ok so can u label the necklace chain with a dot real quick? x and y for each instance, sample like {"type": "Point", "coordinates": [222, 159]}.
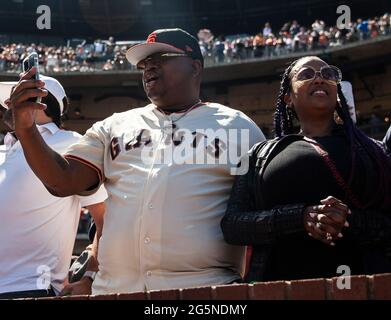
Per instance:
{"type": "Point", "coordinates": [186, 112]}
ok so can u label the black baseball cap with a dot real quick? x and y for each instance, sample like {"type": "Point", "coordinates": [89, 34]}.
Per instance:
{"type": "Point", "coordinates": [167, 41]}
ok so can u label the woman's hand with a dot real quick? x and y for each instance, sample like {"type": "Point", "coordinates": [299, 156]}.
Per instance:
{"type": "Point", "coordinates": [325, 222]}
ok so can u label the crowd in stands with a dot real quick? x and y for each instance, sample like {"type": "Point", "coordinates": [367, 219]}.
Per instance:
{"type": "Point", "coordinates": [292, 37]}
{"type": "Point", "coordinates": [109, 55]}
{"type": "Point", "coordinates": [100, 55]}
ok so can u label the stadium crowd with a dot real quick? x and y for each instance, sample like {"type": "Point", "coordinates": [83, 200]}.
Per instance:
{"type": "Point", "coordinates": [110, 55]}
{"type": "Point", "coordinates": [100, 55]}
{"type": "Point", "coordinates": [292, 37]}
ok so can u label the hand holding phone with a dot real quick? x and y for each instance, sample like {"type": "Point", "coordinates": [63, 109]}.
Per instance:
{"type": "Point", "coordinates": [32, 61]}
{"type": "Point", "coordinates": [23, 99]}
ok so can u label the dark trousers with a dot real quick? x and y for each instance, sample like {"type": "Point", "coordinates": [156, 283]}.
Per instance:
{"type": "Point", "coordinates": [28, 294]}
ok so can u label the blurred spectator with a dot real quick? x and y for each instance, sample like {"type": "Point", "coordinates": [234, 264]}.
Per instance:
{"type": "Point", "coordinates": [99, 48]}
{"type": "Point", "coordinates": [314, 40]}
{"type": "Point", "coordinates": [385, 24]}
{"type": "Point", "coordinates": [332, 36]}
{"type": "Point", "coordinates": [218, 49]}
{"type": "Point", "coordinates": [270, 46]}
{"type": "Point", "coordinates": [239, 52]}
{"type": "Point", "coordinates": [120, 61]}
{"type": "Point", "coordinates": [373, 28]}
{"type": "Point", "coordinates": [110, 45]}
{"type": "Point", "coordinates": [295, 28]}
{"type": "Point", "coordinates": [51, 61]}
{"type": "Point", "coordinates": [228, 50]}
{"type": "Point", "coordinates": [285, 28]}
{"type": "Point", "coordinates": [249, 48]}
{"type": "Point", "coordinates": [85, 67]}
{"type": "Point", "coordinates": [108, 65]}
{"type": "Point", "coordinates": [258, 45]}
{"type": "Point", "coordinates": [362, 27]}
{"type": "Point", "coordinates": [323, 40]}
{"type": "Point", "coordinates": [318, 25]}
{"type": "Point", "coordinates": [267, 30]}
{"type": "Point", "coordinates": [301, 40]}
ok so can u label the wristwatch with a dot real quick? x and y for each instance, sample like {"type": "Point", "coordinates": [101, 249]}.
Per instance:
{"type": "Point", "coordinates": [90, 274]}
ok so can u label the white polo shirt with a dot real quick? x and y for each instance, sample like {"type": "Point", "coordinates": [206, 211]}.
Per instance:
{"type": "Point", "coordinates": [162, 221]}
{"type": "Point", "coordinates": [37, 229]}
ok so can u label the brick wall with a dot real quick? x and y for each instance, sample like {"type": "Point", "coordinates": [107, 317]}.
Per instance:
{"type": "Point", "coordinates": [362, 288]}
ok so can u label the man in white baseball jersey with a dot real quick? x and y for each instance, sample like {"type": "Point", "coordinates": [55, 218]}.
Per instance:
{"type": "Point", "coordinates": [37, 229]}
{"type": "Point", "coordinates": [167, 167]}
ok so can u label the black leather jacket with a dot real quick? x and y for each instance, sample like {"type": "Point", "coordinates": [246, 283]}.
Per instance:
{"type": "Point", "coordinates": [246, 224]}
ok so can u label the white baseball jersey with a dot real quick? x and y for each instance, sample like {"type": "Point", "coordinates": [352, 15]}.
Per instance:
{"type": "Point", "coordinates": [169, 178]}
{"type": "Point", "coordinates": [37, 229]}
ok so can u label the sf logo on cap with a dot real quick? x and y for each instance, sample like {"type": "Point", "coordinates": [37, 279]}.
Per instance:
{"type": "Point", "coordinates": [152, 38]}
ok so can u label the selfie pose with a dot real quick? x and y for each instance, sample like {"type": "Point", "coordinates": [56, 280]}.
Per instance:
{"type": "Point", "coordinates": [161, 227]}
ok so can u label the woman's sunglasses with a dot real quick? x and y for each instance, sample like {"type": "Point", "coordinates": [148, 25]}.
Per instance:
{"type": "Point", "coordinates": [159, 59]}
{"type": "Point", "coordinates": [328, 73]}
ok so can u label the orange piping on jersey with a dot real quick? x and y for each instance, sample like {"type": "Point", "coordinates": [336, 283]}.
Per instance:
{"type": "Point", "coordinates": [87, 163]}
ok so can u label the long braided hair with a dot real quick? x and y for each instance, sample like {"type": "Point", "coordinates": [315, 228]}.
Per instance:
{"type": "Point", "coordinates": [283, 117]}
{"type": "Point", "coordinates": [283, 125]}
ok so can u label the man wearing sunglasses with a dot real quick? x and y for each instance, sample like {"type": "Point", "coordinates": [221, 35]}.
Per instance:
{"type": "Point", "coordinates": [162, 222]}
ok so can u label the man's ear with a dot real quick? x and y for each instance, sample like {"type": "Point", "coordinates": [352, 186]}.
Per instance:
{"type": "Point", "coordinates": [197, 68]}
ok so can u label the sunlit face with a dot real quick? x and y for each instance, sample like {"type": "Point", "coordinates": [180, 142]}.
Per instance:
{"type": "Point", "coordinates": [313, 90]}
{"type": "Point", "coordinates": [166, 77]}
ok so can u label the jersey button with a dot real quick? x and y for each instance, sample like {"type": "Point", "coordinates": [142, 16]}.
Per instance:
{"type": "Point", "coordinates": [147, 240]}
{"type": "Point", "coordinates": [149, 273]}
{"type": "Point", "coordinates": [150, 206]}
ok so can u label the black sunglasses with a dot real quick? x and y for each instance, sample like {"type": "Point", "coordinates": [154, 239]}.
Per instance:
{"type": "Point", "coordinates": [159, 59]}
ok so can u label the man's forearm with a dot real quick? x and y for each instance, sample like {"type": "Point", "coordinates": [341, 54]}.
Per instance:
{"type": "Point", "coordinates": [49, 166]}
{"type": "Point", "coordinates": [97, 212]}
{"type": "Point", "coordinates": [93, 264]}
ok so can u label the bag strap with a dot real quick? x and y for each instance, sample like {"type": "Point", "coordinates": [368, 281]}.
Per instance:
{"type": "Point", "coordinates": [336, 174]}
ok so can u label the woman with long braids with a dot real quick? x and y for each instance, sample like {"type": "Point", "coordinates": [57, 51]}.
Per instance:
{"type": "Point", "coordinates": [317, 199]}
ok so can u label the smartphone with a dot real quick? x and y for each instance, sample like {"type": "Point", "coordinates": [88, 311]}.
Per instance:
{"type": "Point", "coordinates": [32, 61]}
